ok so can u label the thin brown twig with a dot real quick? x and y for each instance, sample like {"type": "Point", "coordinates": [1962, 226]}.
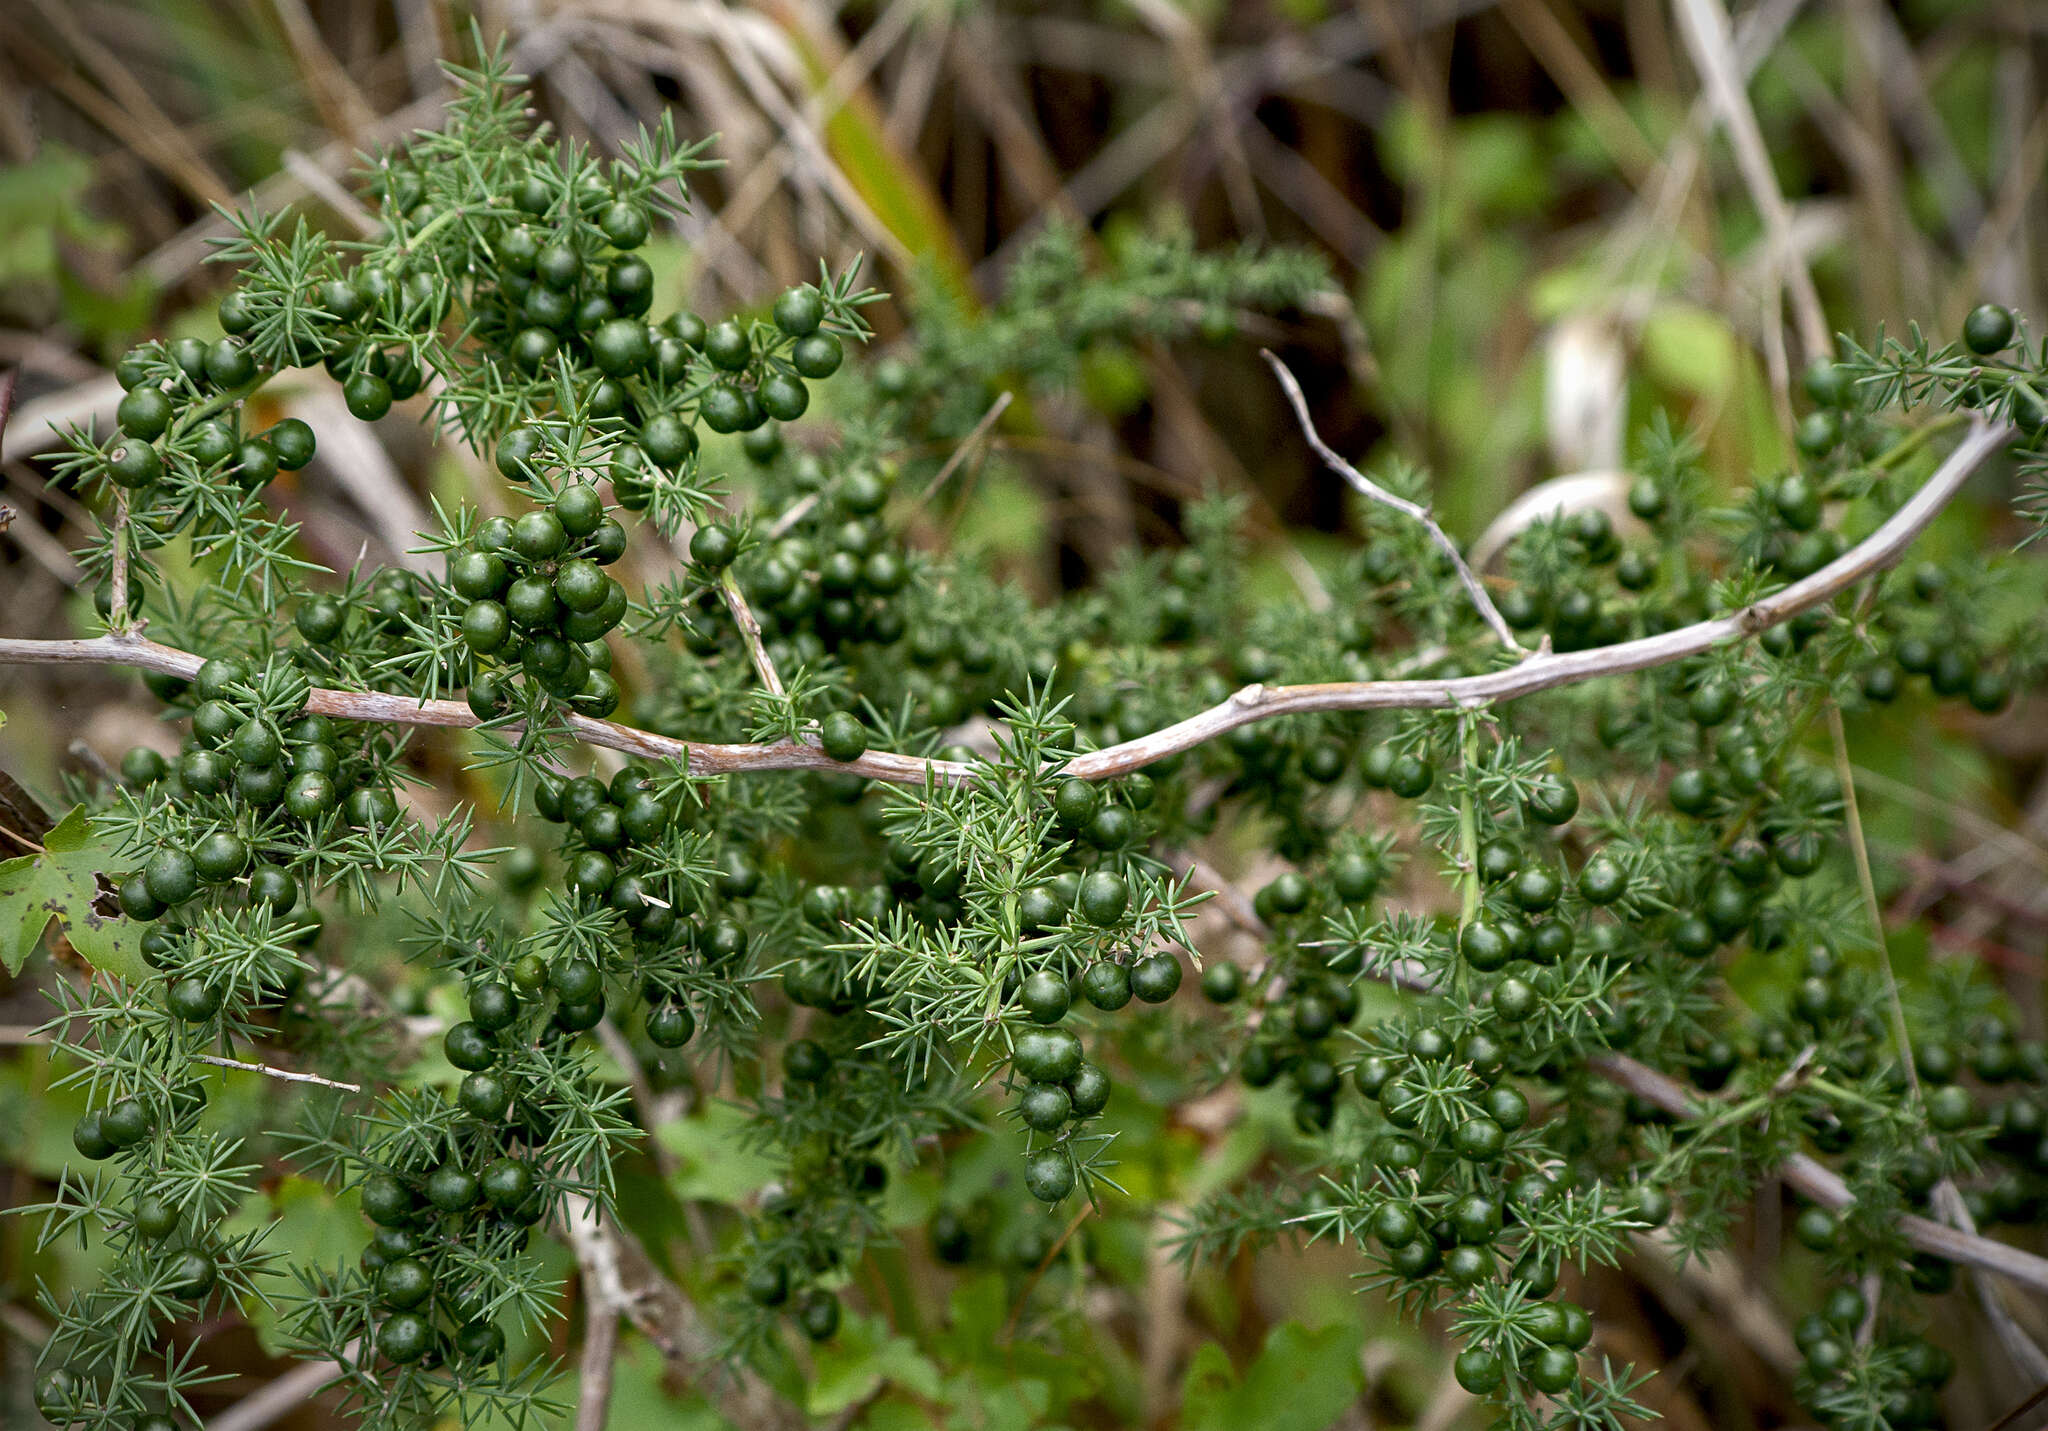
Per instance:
{"type": "Point", "coordinates": [1031, 1282]}
{"type": "Point", "coordinates": [117, 576]}
{"type": "Point", "coordinates": [1414, 511]}
{"type": "Point", "coordinates": [750, 630]}
{"type": "Point", "coordinates": [282, 1397]}
{"type": "Point", "coordinates": [796, 513]}
{"type": "Point", "coordinates": [282, 1074]}
{"type": "Point", "coordinates": [1821, 1184]}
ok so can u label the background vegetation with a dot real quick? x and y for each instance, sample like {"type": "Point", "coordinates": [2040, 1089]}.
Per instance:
{"type": "Point", "coordinates": [1532, 236]}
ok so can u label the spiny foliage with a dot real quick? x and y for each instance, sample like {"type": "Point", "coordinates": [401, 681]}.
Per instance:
{"type": "Point", "coordinates": [864, 960]}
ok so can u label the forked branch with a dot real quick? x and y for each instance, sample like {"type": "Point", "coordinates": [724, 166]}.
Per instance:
{"type": "Point", "coordinates": [1414, 511]}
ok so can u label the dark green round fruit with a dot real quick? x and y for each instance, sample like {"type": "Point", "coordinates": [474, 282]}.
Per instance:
{"type": "Point", "coordinates": [1222, 982]}
{"type": "Point", "coordinates": [155, 1219]}
{"type": "Point", "coordinates": [843, 736]}
{"type": "Point", "coordinates": [783, 398]}
{"type": "Point", "coordinates": [273, 885]}
{"type": "Point", "coordinates": [469, 1047]}
{"type": "Point", "coordinates": [480, 1342]}
{"type": "Point", "coordinates": [713, 547]}
{"type": "Point", "coordinates": [484, 1097]}
{"type": "Point", "coordinates": [767, 1284]}
{"type": "Point", "coordinates": [1156, 977]}
{"type": "Point", "coordinates": [1478, 1370]}
{"type": "Point", "coordinates": [727, 347]}
{"type": "Point", "coordinates": [144, 413]}
{"type": "Point", "coordinates": [1411, 776]}
{"type": "Point", "coordinates": [817, 1313]}
{"type": "Point", "coordinates": [1044, 997]}
{"type": "Point", "coordinates": [622, 347]}
{"type": "Point", "coordinates": [539, 536]}
{"type": "Point", "coordinates": [310, 795]}
{"type": "Point", "coordinates": [89, 1137]}
{"type": "Point", "coordinates": [1106, 985]}
{"type": "Point", "coordinates": [1045, 1107]}
{"type": "Point", "coordinates": [1049, 1175]}
{"type": "Point", "coordinates": [1479, 1140]}
{"type": "Point", "coordinates": [816, 355]}
{"type": "Point", "coordinates": [507, 1182]}
{"type": "Point", "coordinates": [1104, 897]}
{"type": "Point", "coordinates": [1988, 329]}
{"type": "Point", "coordinates": [1553, 1370]}
{"type": "Point", "coordinates": [405, 1283]}
{"type": "Point", "coordinates": [1076, 801]}
{"type": "Point", "coordinates": [799, 311]}
{"type": "Point", "coordinates": [670, 1025]}
{"type": "Point", "coordinates": [171, 877]}
{"type": "Point", "coordinates": [576, 980]}
{"type": "Point", "coordinates": [624, 224]}
{"type": "Point", "coordinates": [134, 464]}
{"type": "Point", "coordinates": [492, 1005]}
{"type": "Point", "coordinates": [667, 440]}
{"type": "Point", "coordinates": [192, 1276]}
{"type": "Point", "coordinates": [1602, 880]}
{"type": "Point", "coordinates": [229, 363]}
{"type": "Point", "coordinates": [143, 766]}
{"type": "Point", "coordinates": [405, 1337]}
{"type": "Point", "coordinates": [1047, 1055]}
{"type": "Point", "coordinates": [367, 396]}
{"type": "Point", "coordinates": [192, 999]}
{"type": "Point", "coordinates": [320, 619]}
{"type": "Point", "coordinates": [1553, 800]}
{"type": "Point", "coordinates": [1089, 1091]}
{"type": "Point", "coordinates": [486, 626]}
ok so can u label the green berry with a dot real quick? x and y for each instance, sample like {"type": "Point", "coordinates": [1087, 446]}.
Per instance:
{"type": "Point", "coordinates": [1988, 329]}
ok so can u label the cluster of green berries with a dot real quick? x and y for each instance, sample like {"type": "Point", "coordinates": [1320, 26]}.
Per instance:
{"type": "Point", "coordinates": [180, 405]}
{"type": "Point", "coordinates": [1913, 1368]}
{"type": "Point", "coordinates": [540, 602]}
{"type": "Point", "coordinates": [609, 828]}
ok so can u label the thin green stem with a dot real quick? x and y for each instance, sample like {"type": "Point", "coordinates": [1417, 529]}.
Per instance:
{"type": "Point", "coordinates": [1918, 438]}
{"type": "Point", "coordinates": [1853, 817]}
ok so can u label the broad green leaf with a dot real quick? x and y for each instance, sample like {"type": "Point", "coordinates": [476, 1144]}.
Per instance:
{"type": "Point", "coordinates": [641, 1396]}
{"type": "Point", "coordinates": [862, 1358]}
{"type": "Point", "coordinates": [717, 1165]}
{"type": "Point", "coordinates": [1302, 1380]}
{"type": "Point", "coordinates": [62, 883]}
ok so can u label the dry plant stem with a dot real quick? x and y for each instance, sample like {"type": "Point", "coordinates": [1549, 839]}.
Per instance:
{"type": "Point", "coordinates": [617, 1275]}
{"type": "Point", "coordinates": [286, 1396]}
{"type": "Point", "coordinates": [1372, 490]}
{"type": "Point", "coordinates": [284, 1075]}
{"type": "Point", "coordinates": [1821, 1184]}
{"type": "Point", "coordinates": [750, 630]}
{"type": "Point", "coordinates": [117, 578]}
{"type": "Point", "coordinates": [1543, 671]}
{"type": "Point", "coordinates": [594, 1368]}
{"type": "Point", "coordinates": [1704, 23]}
